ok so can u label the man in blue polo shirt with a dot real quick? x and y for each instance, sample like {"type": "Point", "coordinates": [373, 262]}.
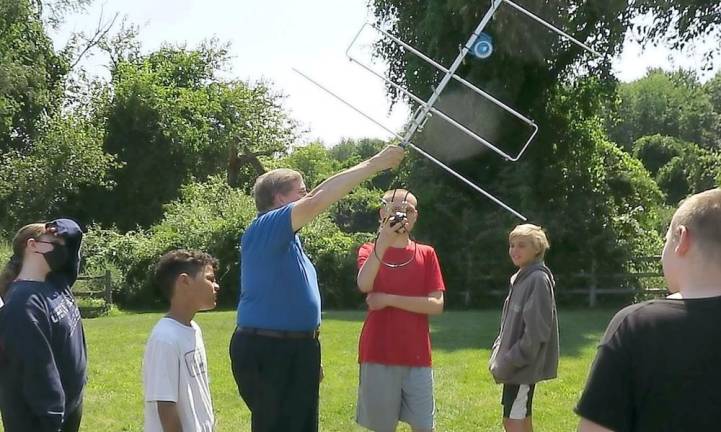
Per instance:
{"type": "Point", "coordinates": [275, 353]}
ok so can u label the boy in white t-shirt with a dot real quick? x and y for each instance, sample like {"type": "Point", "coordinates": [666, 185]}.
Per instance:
{"type": "Point", "coordinates": [175, 372]}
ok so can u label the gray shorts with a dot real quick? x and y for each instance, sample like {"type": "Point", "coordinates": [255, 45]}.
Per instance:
{"type": "Point", "coordinates": [387, 394]}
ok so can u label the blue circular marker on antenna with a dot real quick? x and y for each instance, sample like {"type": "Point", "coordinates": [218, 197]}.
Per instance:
{"type": "Point", "coordinates": [483, 46]}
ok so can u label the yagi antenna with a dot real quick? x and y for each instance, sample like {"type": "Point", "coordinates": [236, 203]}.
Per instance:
{"type": "Point", "coordinates": [414, 147]}
{"type": "Point", "coordinates": [480, 45]}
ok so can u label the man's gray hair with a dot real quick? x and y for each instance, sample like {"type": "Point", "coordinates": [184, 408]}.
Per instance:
{"type": "Point", "coordinates": [268, 185]}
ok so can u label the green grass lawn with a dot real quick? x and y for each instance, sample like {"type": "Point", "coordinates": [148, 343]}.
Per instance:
{"type": "Point", "coordinates": [466, 397]}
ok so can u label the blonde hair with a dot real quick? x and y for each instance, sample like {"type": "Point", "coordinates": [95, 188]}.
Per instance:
{"type": "Point", "coordinates": [268, 185]}
{"type": "Point", "coordinates": [701, 215]}
{"type": "Point", "coordinates": [14, 265]}
{"type": "Point", "coordinates": [535, 234]}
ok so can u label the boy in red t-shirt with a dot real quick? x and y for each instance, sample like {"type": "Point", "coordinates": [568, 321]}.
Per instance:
{"type": "Point", "coordinates": [404, 285]}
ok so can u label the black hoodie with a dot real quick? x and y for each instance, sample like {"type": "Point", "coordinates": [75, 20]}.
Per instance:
{"type": "Point", "coordinates": [42, 346]}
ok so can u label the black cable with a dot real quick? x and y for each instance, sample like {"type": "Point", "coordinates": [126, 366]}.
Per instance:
{"type": "Point", "coordinates": [413, 256]}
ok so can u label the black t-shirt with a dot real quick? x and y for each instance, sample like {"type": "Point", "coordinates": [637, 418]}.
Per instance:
{"type": "Point", "coordinates": [658, 368]}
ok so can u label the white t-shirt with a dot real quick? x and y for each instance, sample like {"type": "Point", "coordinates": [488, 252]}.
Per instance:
{"type": "Point", "coordinates": [175, 370]}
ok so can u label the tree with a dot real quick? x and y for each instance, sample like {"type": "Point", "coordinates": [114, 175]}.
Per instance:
{"type": "Point", "coordinates": [313, 161]}
{"type": "Point", "coordinates": [54, 11]}
{"type": "Point", "coordinates": [655, 151]}
{"type": "Point", "coordinates": [352, 151]}
{"type": "Point", "coordinates": [172, 119]}
{"type": "Point", "coordinates": [529, 56]}
{"type": "Point", "coordinates": [668, 103]}
{"type": "Point", "coordinates": [31, 74]}
{"type": "Point", "coordinates": [358, 211]}
{"type": "Point", "coordinates": [49, 151]}
{"type": "Point", "coordinates": [208, 216]}
{"type": "Point", "coordinates": [66, 156]}
{"type": "Point", "coordinates": [597, 202]}
{"type": "Point", "coordinates": [713, 89]}
{"type": "Point", "coordinates": [212, 216]}
{"type": "Point", "coordinates": [259, 127]}
{"type": "Point", "coordinates": [680, 168]}
{"type": "Point", "coordinates": [679, 22]}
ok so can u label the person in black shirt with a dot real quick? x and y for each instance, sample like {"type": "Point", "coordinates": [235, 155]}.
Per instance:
{"type": "Point", "coordinates": [42, 345]}
{"type": "Point", "coordinates": [658, 367]}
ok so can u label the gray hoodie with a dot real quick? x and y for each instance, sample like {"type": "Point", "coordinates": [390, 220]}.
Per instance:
{"type": "Point", "coordinates": [526, 350]}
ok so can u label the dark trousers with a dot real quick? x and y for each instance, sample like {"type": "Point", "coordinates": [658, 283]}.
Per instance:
{"type": "Point", "coordinates": [12, 422]}
{"type": "Point", "coordinates": [278, 379]}
{"type": "Point", "coordinates": [72, 420]}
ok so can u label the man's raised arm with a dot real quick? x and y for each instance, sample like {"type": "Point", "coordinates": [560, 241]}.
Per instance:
{"type": "Point", "coordinates": [339, 185]}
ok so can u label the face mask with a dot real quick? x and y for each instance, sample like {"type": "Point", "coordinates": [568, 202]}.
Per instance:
{"type": "Point", "coordinates": [56, 258]}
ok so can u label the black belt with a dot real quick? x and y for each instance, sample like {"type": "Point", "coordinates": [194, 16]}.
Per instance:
{"type": "Point", "coordinates": [279, 334]}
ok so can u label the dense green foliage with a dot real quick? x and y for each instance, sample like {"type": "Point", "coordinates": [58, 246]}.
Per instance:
{"type": "Point", "coordinates": [212, 216]}
{"type": "Point", "coordinates": [31, 74]}
{"type": "Point", "coordinates": [171, 117]}
{"type": "Point", "coordinates": [164, 154]}
{"type": "Point", "coordinates": [66, 156]}
{"type": "Point", "coordinates": [680, 168]}
{"type": "Point", "coordinates": [670, 104]}
{"type": "Point", "coordinates": [597, 201]}
{"type": "Point", "coordinates": [197, 220]}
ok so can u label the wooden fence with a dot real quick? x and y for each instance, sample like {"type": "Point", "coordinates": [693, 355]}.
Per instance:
{"type": "Point", "coordinates": [105, 293]}
{"type": "Point", "coordinates": [645, 281]}
{"type": "Point", "coordinates": [634, 282]}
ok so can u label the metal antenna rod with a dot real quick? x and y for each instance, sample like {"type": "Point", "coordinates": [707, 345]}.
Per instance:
{"type": "Point", "coordinates": [423, 113]}
{"type": "Point", "coordinates": [426, 108]}
{"type": "Point", "coordinates": [451, 71]}
{"type": "Point", "coordinates": [414, 147]}
{"type": "Point", "coordinates": [552, 28]}
{"type": "Point", "coordinates": [466, 181]}
{"type": "Point", "coordinates": [444, 116]}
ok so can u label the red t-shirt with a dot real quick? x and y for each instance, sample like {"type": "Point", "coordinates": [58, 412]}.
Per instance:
{"type": "Point", "coordinates": [394, 336]}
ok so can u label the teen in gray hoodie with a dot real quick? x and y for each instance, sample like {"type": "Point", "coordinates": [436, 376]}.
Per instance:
{"type": "Point", "coordinates": [526, 350]}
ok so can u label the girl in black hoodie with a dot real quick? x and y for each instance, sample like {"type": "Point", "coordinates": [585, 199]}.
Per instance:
{"type": "Point", "coordinates": [42, 344]}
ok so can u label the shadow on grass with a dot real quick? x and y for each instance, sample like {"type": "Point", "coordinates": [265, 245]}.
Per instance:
{"type": "Point", "coordinates": [462, 330]}
{"type": "Point", "coordinates": [115, 311]}
{"type": "Point", "coordinates": [478, 329]}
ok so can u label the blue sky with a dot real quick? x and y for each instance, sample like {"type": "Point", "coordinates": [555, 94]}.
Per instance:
{"type": "Point", "coordinates": [268, 37]}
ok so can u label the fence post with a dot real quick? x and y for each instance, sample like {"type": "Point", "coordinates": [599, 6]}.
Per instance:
{"type": "Point", "coordinates": [108, 282]}
{"type": "Point", "coordinates": [593, 287]}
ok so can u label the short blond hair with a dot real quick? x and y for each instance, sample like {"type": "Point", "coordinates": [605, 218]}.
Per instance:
{"type": "Point", "coordinates": [535, 234]}
{"type": "Point", "coordinates": [701, 215]}
{"type": "Point", "coordinates": [268, 185]}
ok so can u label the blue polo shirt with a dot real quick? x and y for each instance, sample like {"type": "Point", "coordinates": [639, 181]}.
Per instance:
{"type": "Point", "coordinates": [278, 283]}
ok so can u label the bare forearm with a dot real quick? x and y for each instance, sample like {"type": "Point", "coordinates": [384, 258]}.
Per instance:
{"type": "Point", "coordinates": [423, 305]}
{"type": "Point", "coordinates": [369, 270]}
{"type": "Point", "coordinates": [169, 417]}
{"type": "Point", "coordinates": [328, 192]}
{"type": "Point", "coordinates": [339, 185]}
{"type": "Point", "coordinates": [336, 187]}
